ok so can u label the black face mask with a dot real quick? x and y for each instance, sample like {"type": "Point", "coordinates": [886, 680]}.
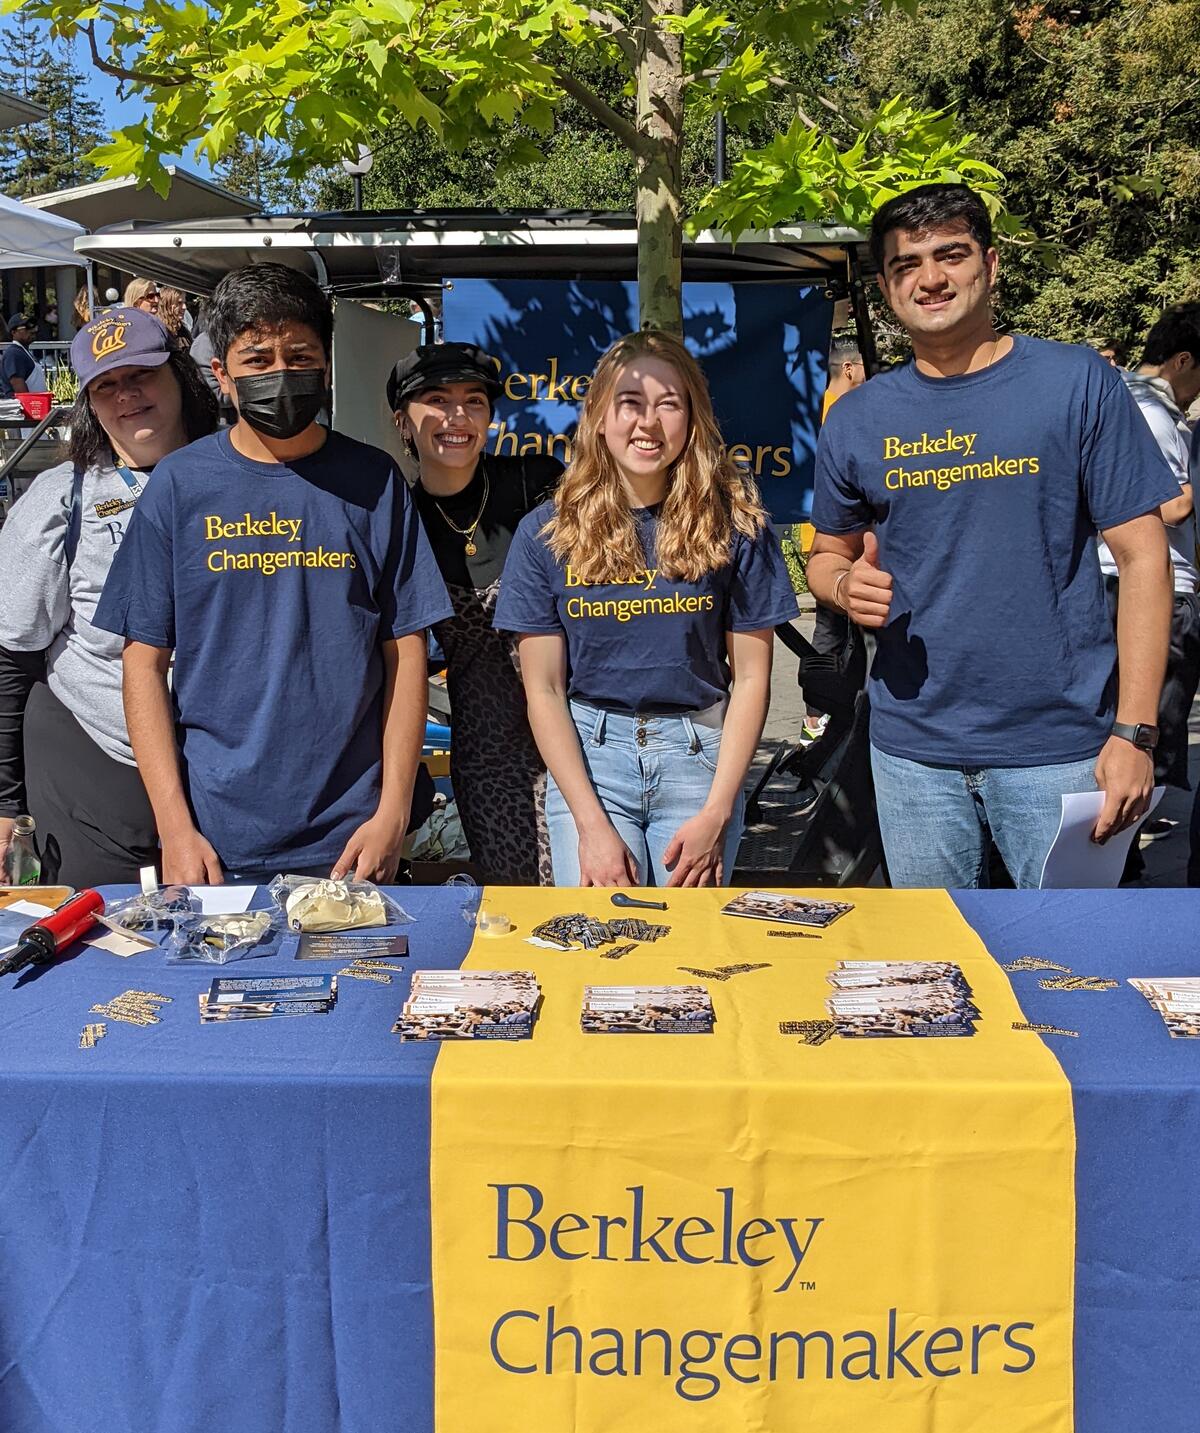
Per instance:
{"type": "Point", "coordinates": [284, 403]}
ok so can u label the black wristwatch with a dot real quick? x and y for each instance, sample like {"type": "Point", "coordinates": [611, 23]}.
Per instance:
{"type": "Point", "coordinates": [1144, 737]}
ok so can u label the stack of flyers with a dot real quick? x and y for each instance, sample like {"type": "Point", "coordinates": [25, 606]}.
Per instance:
{"type": "Point", "coordinates": [469, 1005]}
{"type": "Point", "coordinates": [786, 909]}
{"type": "Point", "coordinates": [875, 998]}
{"type": "Point", "coordinates": [646, 1010]}
{"type": "Point", "coordinates": [258, 997]}
{"type": "Point", "coordinates": [1177, 1000]}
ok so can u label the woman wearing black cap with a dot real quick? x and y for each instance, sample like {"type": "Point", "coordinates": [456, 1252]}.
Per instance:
{"type": "Point", "coordinates": [471, 502]}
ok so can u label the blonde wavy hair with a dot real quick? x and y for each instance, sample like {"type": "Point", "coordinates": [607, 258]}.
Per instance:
{"type": "Point", "coordinates": [171, 307]}
{"type": "Point", "coordinates": [708, 497]}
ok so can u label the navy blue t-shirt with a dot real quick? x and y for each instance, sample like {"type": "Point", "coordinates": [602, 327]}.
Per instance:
{"type": "Point", "coordinates": [15, 362]}
{"type": "Point", "coordinates": [276, 585]}
{"type": "Point", "coordinates": [654, 643]}
{"type": "Point", "coordinates": [986, 491]}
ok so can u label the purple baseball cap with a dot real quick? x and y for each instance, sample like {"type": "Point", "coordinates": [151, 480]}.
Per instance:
{"type": "Point", "coordinates": [119, 338]}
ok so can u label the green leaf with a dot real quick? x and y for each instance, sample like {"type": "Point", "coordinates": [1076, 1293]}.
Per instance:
{"type": "Point", "coordinates": [520, 154]}
{"type": "Point", "coordinates": [158, 179]}
{"type": "Point", "coordinates": [218, 138]}
{"type": "Point", "coordinates": [377, 55]}
{"type": "Point", "coordinates": [123, 154]}
{"type": "Point", "coordinates": [500, 106]}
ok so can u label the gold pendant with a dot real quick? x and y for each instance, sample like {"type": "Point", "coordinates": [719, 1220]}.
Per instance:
{"type": "Point", "coordinates": [471, 548]}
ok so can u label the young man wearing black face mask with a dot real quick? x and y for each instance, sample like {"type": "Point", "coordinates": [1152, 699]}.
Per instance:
{"type": "Point", "coordinates": [285, 567]}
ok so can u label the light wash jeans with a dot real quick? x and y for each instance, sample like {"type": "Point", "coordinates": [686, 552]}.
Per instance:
{"type": "Point", "coordinates": [935, 820]}
{"type": "Point", "coordinates": [651, 774]}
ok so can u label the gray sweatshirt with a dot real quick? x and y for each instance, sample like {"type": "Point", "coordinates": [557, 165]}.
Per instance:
{"type": "Point", "coordinates": [45, 607]}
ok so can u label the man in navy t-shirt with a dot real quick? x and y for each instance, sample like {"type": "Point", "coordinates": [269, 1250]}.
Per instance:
{"type": "Point", "coordinates": [957, 503]}
{"type": "Point", "coordinates": [285, 567]}
{"type": "Point", "coordinates": [16, 362]}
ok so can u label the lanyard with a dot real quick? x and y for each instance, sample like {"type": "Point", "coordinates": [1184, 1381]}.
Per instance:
{"type": "Point", "coordinates": [129, 480]}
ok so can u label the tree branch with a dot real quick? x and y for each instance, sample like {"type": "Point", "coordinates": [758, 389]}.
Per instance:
{"type": "Point", "coordinates": [833, 109]}
{"type": "Point", "coordinates": [784, 87]}
{"type": "Point", "coordinates": [616, 28]}
{"type": "Point", "coordinates": [624, 129]}
{"type": "Point", "coordinates": [140, 77]}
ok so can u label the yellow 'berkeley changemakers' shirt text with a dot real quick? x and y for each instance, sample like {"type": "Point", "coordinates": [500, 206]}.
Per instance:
{"type": "Point", "coordinates": [986, 491]}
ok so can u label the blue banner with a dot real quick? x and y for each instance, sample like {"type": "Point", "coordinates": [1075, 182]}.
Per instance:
{"type": "Point", "coordinates": [763, 347]}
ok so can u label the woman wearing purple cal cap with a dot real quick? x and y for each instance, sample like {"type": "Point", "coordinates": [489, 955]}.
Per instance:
{"type": "Point", "coordinates": [65, 756]}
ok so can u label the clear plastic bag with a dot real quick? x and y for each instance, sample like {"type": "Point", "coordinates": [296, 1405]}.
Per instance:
{"type": "Point", "coordinates": [152, 913]}
{"type": "Point", "coordinates": [217, 940]}
{"type": "Point", "coordinates": [317, 907]}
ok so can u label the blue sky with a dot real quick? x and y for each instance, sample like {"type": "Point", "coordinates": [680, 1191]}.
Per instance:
{"type": "Point", "coordinates": [103, 89]}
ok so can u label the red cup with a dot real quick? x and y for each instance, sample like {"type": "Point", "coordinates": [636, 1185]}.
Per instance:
{"type": "Point", "coordinates": [36, 405]}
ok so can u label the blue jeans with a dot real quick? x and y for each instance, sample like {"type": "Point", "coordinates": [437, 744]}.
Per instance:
{"type": "Point", "coordinates": [935, 820]}
{"type": "Point", "coordinates": [651, 774]}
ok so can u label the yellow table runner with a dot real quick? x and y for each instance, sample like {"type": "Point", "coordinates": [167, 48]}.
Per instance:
{"type": "Point", "coordinates": [736, 1232]}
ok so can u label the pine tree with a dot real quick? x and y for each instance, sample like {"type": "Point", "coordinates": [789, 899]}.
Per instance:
{"type": "Point", "coordinates": [253, 167]}
{"type": "Point", "coordinates": [21, 51]}
{"type": "Point", "coordinates": [40, 158]}
{"type": "Point", "coordinates": [75, 125]}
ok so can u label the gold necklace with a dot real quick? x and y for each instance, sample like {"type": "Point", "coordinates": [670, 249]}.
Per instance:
{"type": "Point", "coordinates": [468, 532]}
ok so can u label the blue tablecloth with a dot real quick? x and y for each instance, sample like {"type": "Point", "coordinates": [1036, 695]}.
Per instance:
{"type": "Point", "coordinates": [1136, 1095]}
{"type": "Point", "coordinates": [215, 1228]}
{"type": "Point", "coordinates": [225, 1229]}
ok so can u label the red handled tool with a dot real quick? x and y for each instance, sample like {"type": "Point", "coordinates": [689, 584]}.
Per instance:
{"type": "Point", "coordinates": [49, 937]}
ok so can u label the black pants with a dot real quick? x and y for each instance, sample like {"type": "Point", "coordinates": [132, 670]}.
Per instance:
{"type": "Point", "coordinates": [94, 821]}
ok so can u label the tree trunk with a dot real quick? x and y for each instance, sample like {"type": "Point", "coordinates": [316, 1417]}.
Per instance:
{"type": "Point", "coordinates": [659, 169]}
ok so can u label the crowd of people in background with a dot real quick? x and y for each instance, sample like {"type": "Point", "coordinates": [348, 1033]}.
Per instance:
{"type": "Point", "coordinates": [1009, 521]}
{"type": "Point", "coordinates": [22, 369]}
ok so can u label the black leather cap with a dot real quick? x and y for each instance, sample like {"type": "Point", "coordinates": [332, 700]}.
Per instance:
{"type": "Point", "coordinates": [434, 364]}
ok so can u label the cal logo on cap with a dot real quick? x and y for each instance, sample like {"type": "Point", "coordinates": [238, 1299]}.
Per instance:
{"type": "Point", "coordinates": [108, 337]}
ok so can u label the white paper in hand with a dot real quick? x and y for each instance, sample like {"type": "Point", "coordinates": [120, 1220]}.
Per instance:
{"type": "Point", "coordinates": [1074, 861]}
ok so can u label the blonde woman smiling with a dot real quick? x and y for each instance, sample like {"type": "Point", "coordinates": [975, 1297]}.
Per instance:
{"type": "Point", "coordinates": [645, 596]}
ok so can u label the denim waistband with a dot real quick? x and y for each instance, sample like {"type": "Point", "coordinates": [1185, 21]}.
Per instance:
{"type": "Point", "coordinates": [595, 722]}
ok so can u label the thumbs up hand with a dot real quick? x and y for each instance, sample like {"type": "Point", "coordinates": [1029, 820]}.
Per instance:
{"type": "Point", "coordinates": [866, 593]}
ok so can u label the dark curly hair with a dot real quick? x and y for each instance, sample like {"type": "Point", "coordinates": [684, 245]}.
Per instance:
{"type": "Point", "coordinates": [90, 444]}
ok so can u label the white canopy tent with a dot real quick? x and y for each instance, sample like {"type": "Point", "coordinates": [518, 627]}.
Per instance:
{"type": "Point", "coordinates": [32, 239]}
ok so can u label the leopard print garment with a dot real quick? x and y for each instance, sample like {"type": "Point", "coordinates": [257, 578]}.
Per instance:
{"type": "Point", "coordinates": [498, 777]}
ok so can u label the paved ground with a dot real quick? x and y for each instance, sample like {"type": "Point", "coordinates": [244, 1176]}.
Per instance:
{"type": "Point", "coordinates": [769, 845]}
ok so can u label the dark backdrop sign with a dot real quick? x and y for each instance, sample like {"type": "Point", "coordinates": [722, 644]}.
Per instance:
{"type": "Point", "coordinates": [763, 347]}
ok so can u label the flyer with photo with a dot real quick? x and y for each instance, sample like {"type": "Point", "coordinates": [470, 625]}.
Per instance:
{"type": "Point", "coordinates": [646, 1010]}
{"type": "Point", "coordinates": [1177, 1000]}
{"type": "Point", "coordinates": [914, 999]}
{"type": "Point", "coordinates": [469, 1005]}
{"type": "Point", "coordinates": [786, 909]}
